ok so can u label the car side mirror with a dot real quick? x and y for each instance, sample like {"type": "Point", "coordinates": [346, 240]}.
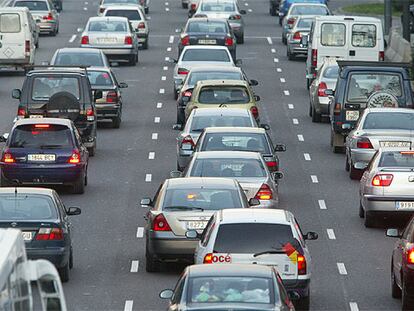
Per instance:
{"type": "Point", "coordinates": [265, 126]}
{"type": "Point", "coordinates": [393, 233]}
{"type": "Point", "coordinates": [304, 41]}
{"type": "Point", "coordinates": [192, 234]}
{"type": "Point", "coordinates": [254, 202]}
{"type": "Point", "coordinates": [3, 138]}
{"type": "Point", "coordinates": [310, 236]}
{"type": "Point", "coordinates": [242, 12]}
{"type": "Point", "coordinates": [360, 165]}
{"type": "Point", "coordinates": [257, 98]}
{"type": "Point", "coordinates": [122, 85]}
{"type": "Point", "coordinates": [329, 92]}
{"type": "Point", "coordinates": [253, 82]}
{"type": "Point", "coordinates": [16, 93]}
{"type": "Point", "coordinates": [97, 95]}
{"type": "Point", "coordinates": [172, 60]}
{"type": "Point", "coordinates": [280, 147]}
{"type": "Point", "coordinates": [177, 127]}
{"type": "Point", "coordinates": [73, 211]}
{"type": "Point", "coordinates": [176, 174]}
{"type": "Point", "coordinates": [277, 175]}
{"type": "Point", "coordinates": [166, 294]}
{"type": "Point", "coordinates": [145, 202]}
{"type": "Point", "coordinates": [239, 62]}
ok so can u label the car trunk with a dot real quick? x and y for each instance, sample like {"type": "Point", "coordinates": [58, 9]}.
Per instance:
{"type": "Point", "coordinates": [251, 185]}
{"type": "Point", "coordinates": [389, 138]}
{"type": "Point", "coordinates": [401, 184]}
{"type": "Point", "coordinates": [107, 39]}
{"type": "Point", "coordinates": [207, 39]}
{"type": "Point", "coordinates": [180, 222]}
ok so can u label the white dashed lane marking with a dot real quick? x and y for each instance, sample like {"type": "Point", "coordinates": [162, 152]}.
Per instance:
{"type": "Point", "coordinates": [134, 266]}
{"type": "Point", "coordinates": [283, 80]}
{"type": "Point", "coordinates": [85, 9]}
{"type": "Point", "coordinates": [163, 78]}
{"type": "Point", "coordinates": [79, 29]}
{"type": "Point", "coordinates": [307, 156]}
{"type": "Point", "coordinates": [162, 91]}
{"type": "Point", "coordinates": [165, 68]}
{"type": "Point", "coordinates": [72, 38]}
{"type": "Point", "coordinates": [269, 40]}
{"type": "Point", "coordinates": [314, 179]}
{"type": "Point", "coordinates": [151, 155]}
{"type": "Point", "coordinates": [128, 305]}
{"type": "Point", "coordinates": [166, 58]}
{"type": "Point", "coordinates": [300, 137]}
{"type": "Point", "coordinates": [148, 177]}
{"type": "Point", "coordinates": [154, 136]}
{"type": "Point", "coordinates": [341, 268]}
{"type": "Point", "coordinates": [166, 3]}
{"type": "Point", "coordinates": [273, 51]}
{"type": "Point", "coordinates": [157, 120]}
{"type": "Point", "coordinates": [331, 234]}
{"type": "Point", "coordinates": [159, 105]}
{"type": "Point", "coordinates": [249, 10]}
{"type": "Point", "coordinates": [140, 232]}
{"type": "Point", "coordinates": [169, 49]}
{"type": "Point", "coordinates": [279, 69]}
{"type": "Point", "coordinates": [276, 60]}
{"type": "Point", "coordinates": [295, 121]}
{"type": "Point", "coordinates": [353, 306]}
{"type": "Point", "coordinates": [290, 106]}
{"type": "Point", "coordinates": [286, 92]}
{"type": "Point", "coordinates": [322, 204]}
{"type": "Point", "coordinates": [167, 9]}
{"type": "Point", "coordinates": [171, 40]}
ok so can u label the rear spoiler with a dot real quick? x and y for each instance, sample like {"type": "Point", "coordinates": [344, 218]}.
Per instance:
{"type": "Point", "coordinates": [31, 67]}
{"type": "Point", "coordinates": [347, 63]}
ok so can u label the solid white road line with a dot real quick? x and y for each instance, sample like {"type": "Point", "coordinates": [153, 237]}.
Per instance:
{"type": "Point", "coordinates": [128, 305]}
{"type": "Point", "coordinates": [276, 60]}
{"type": "Point", "coordinates": [290, 106]}
{"type": "Point", "coordinates": [287, 93]}
{"type": "Point", "coordinates": [154, 136]}
{"type": "Point", "coordinates": [148, 177]}
{"type": "Point", "coordinates": [165, 68]}
{"type": "Point", "coordinates": [295, 121]}
{"type": "Point", "coordinates": [163, 78]}
{"type": "Point", "coordinates": [159, 105]}
{"type": "Point", "coordinates": [314, 179]}
{"type": "Point", "coordinates": [134, 266]}
{"type": "Point", "coordinates": [353, 306]}
{"type": "Point", "coordinates": [157, 120]}
{"type": "Point", "coordinates": [300, 137]}
{"type": "Point", "coordinates": [341, 268]}
{"type": "Point", "coordinates": [169, 49]}
{"type": "Point", "coordinates": [283, 80]}
{"type": "Point", "coordinates": [162, 91]}
{"type": "Point", "coordinates": [331, 234]}
{"type": "Point", "coordinates": [171, 40]}
{"type": "Point", "coordinates": [307, 156]}
{"type": "Point", "coordinates": [322, 204]}
{"type": "Point", "coordinates": [72, 38]}
{"type": "Point", "coordinates": [279, 69]}
{"type": "Point", "coordinates": [151, 155]}
{"type": "Point", "coordinates": [269, 40]}
{"type": "Point", "coordinates": [140, 232]}
{"type": "Point", "coordinates": [273, 50]}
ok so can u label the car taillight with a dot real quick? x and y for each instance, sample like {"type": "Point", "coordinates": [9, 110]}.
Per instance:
{"type": "Point", "coordinates": [382, 180]}
{"type": "Point", "coordinates": [381, 56]}
{"type": "Point", "coordinates": [48, 234]}
{"type": "Point", "coordinates": [7, 157]}
{"type": "Point", "coordinates": [291, 21]}
{"type": "Point", "coordinates": [228, 41]}
{"type": "Point", "coordinates": [160, 223]}
{"type": "Point", "coordinates": [182, 71]}
{"type": "Point", "coordinates": [364, 143]}
{"type": "Point", "coordinates": [301, 264]}
{"type": "Point", "coordinates": [410, 255]}
{"type": "Point", "coordinates": [90, 114]}
{"type": "Point", "coordinates": [297, 36]}
{"type": "Point", "coordinates": [322, 87]}
{"type": "Point", "coordinates": [314, 57]}
{"type": "Point", "coordinates": [111, 97]}
{"type": "Point", "coordinates": [264, 193]}
{"type": "Point", "coordinates": [233, 17]}
{"type": "Point", "coordinates": [193, 6]}
{"type": "Point", "coordinates": [271, 164]}
{"type": "Point", "coordinates": [185, 40]}
{"type": "Point", "coordinates": [27, 46]}
{"type": "Point", "coordinates": [21, 112]}
{"type": "Point", "coordinates": [208, 258]}
{"type": "Point", "coordinates": [186, 93]}
{"type": "Point", "coordinates": [255, 112]}
{"type": "Point", "coordinates": [48, 17]}
{"type": "Point", "coordinates": [187, 143]}
{"type": "Point", "coordinates": [85, 40]}
{"type": "Point", "coordinates": [101, 10]}
{"type": "Point", "coordinates": [141, 25]}
{"type": "Point", "coordinates": [75, 157]}
{"type": "Point", "coordinates": [337, 109]}
{"type": "Point", "coordinates": [128, 40]}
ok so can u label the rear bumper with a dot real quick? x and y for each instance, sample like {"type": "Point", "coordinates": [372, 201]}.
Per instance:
{"type": "Point", "coordinates": [386, 204]}
{"type": "Point", "coordinates": [295, 48]}
{"type": "Point", "coordinates": [59, 256]}
{"type": "Point", "coordinates": [105, 111]}
{"type": "Point", "coordinates": [299, 286]}
{"type": "Point", "coordinates": [47, 27]}
{"type": "Point", "coordinates": [113, 51]}
{"type": "Point", "coordinates": [14, 61]}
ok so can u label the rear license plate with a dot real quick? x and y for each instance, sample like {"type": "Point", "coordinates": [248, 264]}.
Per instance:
{"type": "Point", "coordinates": [202, 41]}
{"type": "Point", "coordinates": [395, 144]}
{"type": "Point", "coordinates": [27, 236]}
{"type": "Point", "coordinates": [196, 225]}
{"type": "Point", "coordinates": [35, 116]}
{"type": "Point", "coordinates": [107, 40]}
{"type": "Point", "coordinates": [352, 115]}
{"type": "Point", "coordinates": [41, 157]}
{"type": "Point", "coordinates": [404, 205]}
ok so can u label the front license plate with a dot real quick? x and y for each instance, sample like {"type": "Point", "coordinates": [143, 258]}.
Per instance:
{"type": "Point", "coordinates": [27, 236]}
{"type": "Point", "coordinates": [395, 144]}
{"type": "Point", "coordinates": [404, 205]}
{"type": "Point", "coordinates": [352, 115]}
{"type": "Point", "coordinates": [207, 41]}
{"type": "Point", "coordinates": [196, 225]}
{"type": "Point", "coordinates": [35, 116]}
{"type": "Point", "coordinates": [41, 157]}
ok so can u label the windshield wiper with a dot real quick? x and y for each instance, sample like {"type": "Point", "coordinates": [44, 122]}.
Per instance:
{"type": "Point", "coordinates": [50, 146]}
{"type": "Point", "coordinates": [271, 251]}
{"type": "Point", "coordinates": [187, 208]}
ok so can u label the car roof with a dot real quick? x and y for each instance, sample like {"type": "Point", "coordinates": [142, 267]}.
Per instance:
{"type": "Point", "coordinates": [386, 109]}
{"type": "Point", "coordinates": [204, 47]}
{"type": "Point", "coordinates": [130, 6]}
{"type": "Point", "coordinates": [107, 18]}
{"type": "Point", "coordinates": [226, 155]}
{"type": "Point", "coordinates": [58, 70]}
{"type": "Point", "coordinates": [79, 50]}
{"type": "Point", "coordinates": [221, 112]}
{"type": "Point", "coordinates": [215, 68]}
{"type": "Point", "coordinates": [255, 130]}
{"type": "Point", "coordinates": [222, 82]}
{"type": "Point", "coordinates": [55, 121]}
{"type": "Point", "coordinates": [308, 4]}
{"type": "Point", "coordinates": [206, 19]}
{"type": "Point", "coordinates": [26, 190]}
{"type": "Point", "coordinates": [246, 270]}
{"type": "Point", "coordinates": [331, 18]}
{"type": "Point", "coordinates": [203, 182]}
{"type": "Point", "coordinates": [254, 215]}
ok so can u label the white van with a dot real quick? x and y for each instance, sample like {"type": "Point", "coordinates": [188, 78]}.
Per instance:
{"type": "Point", "coordinates": [356, 38]}
{"type": "Point", "coordinates": [18, 37]}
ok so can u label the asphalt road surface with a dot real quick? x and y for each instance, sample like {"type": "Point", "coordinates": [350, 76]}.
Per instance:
{"type": "Point", "coordinates": [351, 264]}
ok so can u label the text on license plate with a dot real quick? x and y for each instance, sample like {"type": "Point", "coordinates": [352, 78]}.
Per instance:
{"type": "Point", "coordinates": [202, 41]}
{"type": "Point", "coordinates": [27, 236]}
{"type": "Point", "coordinates": [107, 40]}
{"type": "Point", "coordinates": [194, 225]}
{"type": "Point", "coordinates": [352, 115]}
{"type": "Point", "coordinates": [394, 144]}
{"type": "Point", "coordinates": [404, 205]}
{"type": "Point", "coordinates": [35, 116]}
{"type": "Point", "coordinates": [41, 157]}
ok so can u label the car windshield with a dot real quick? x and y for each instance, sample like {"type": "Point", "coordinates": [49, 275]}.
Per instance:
{"type": "Point", "coordinates": [41, 136]}
{"type": "Point", "coordinates": [79, 59]}
{"type": "Point", "coordinates": [100, 78]}
{"type": "Point", "coordinates": [227, 167]}
{"type": "Point", "coordinates": [305, 23]}
{"type": "Point", "coordinates": [257, 237]}
{"type": "Point", "coordinates": [397, 159]}
{"type": "Point", "coordinates": [207, 27]}
{"type": "Point", "coordinates": [213, 75]}
{"type": "Point", "coordinates": [223, 94]}
{"type": "Point", "coordinates": [389, 121]}
{"type": "Point", "coordinates": [132, 15]}
{"type": "Point", "coordinates": [235, 141]}
{"type": "Point", "coordinates": [108, 26]}
{"type": "Point", "coordinates": [205, 198]}
{"type": "Point", "coordinates": [26, 207]}
{"type": "Point", "coordinates": [362, 85]}
{"type": "Point", "coordinates": [217, 7]}
{"type": "Point", "coordinates": [331, 72]}
{"type": "Point", "coordinates": [309, 10]}
{"type": "Point", "coordinates": [231, 289]}
{"type": "Point", "coordinates": [206, 55]}
{"type": "Point", "coordinates": [199, 123]}
{"type": "Point", "coordinates": [33, 5]}
{"type": "Point", "coordinates": [45, 87]}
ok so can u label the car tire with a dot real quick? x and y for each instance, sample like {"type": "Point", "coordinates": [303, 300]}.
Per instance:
{"type": "Point", "coordinates": [272, 11]}
{"type": "Point", "coordinates": [71, 258]}
{"type": "Point", "coordinates": [116, 122]}
{"type": "Point", "coordinates": [37, 44]}
{"type": "Point", "coordinates": [361, 212]}
{"type": "Point", "coordinates": [308, 83]}
{"type": "Point", "coordinates": [146, 10]}
{"type": "Point", "coordinates": [79, 185]}
{"type": "Point", "coordinates": [407, 302]}
{"type": "Point", "coordinates": [4, 182]}
{"type": "Point", "coordinates": [53, 33]}
{"type": "Point", "coordinates": [132, 60]}
{"type": "Point", "coordinates": [284, 40]}
{"type": "Point", "coordinates": [240, 39]}
{"type": "Point", "coordinates": [310, 109]}
{"type": "Point", "coordinates": [179, 168]}
{"type": "Point", "coordinates": [175, 93]}
{"type": "Point", "coordinates": [347, 163]}
{"type": "Point", "coordinates": [145, 45]}
{"type": "Point", "coordinates": [92, 150]}
{"type": "Point", "coordinates": [303, 303]}
{"type": "Point", "coordinates": [316, 117]}
{"type": "Point", "coordinates": [354, 173]}
{"type": "Point", "coordinates": [151, 264]}
{"type": "Point", "coordinates": [64, 273]}
{"type": "Point", "coordinates": [396, 291]}
{"type": "Point", "coordinates": [369, 222]}
{"type": "Point", "coordinates": [280, 21]}
{"type": "Point", "coordinates": [180, 117]}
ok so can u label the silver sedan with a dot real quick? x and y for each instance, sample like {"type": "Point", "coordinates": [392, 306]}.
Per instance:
{"type": "Point", "coordinates": [377, 128]}
{"type": "Point", "coordinates": [300, 28]}
{"type": "Point", "coordinates": [114, 36]}
{"type": "Point", "coordinates": [386, 187]}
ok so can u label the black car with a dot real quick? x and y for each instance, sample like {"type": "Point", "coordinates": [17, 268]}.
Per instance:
{"type": "Point", "coordinates": [365, 84]}
{"type": "Point", "coordinates": [60, 93]}
{"type": "Point", "coordinates": [79, 57]}
{"type": "Point", "coordinates": [208, 31]}
{"type": "Point", "coordinates": [274, 7]}
{"type": "Point", "coordinates": [43, 219]}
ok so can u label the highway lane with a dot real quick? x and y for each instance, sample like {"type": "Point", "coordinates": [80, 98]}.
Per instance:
{"type": "Point", "coordinates": [107, 247]}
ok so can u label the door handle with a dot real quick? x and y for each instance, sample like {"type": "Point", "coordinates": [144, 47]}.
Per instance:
{"type": "Point", "coordinates": [352, 53]}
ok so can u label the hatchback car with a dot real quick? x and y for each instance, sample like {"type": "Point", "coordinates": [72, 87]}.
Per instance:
{"type": "Point", "coordinates": [228, 287]}
{"type": "Point", "coordinates": [79, 57]}
{"type": "Point", "coordinates": [270, 238]}
{"type": "Point", "coordinates": [46, 151]}
{"type": "Point", "coordinates": [114, 36]}
{"type": "Point", "coordinates": [378, 128]}
{"type": "Point", "coordinates": [183, 204]}
{"type": "Point", "coordinates": [386, 187]}
{"type": "Point", "coordinates": [299, 29]}
{"type": "Point", "coordinates": [248, 168]}
{"type": "Point", "coordinates": [44, 222]}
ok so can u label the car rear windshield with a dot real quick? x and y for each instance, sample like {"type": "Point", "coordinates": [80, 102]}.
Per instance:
{"type": "Point", "coordinates": [231, 289]}
{"type": "Point", "coordinates": [236, 141]}
{"type": "Point", "coordinates": [333, 34]}
{"type": "Point", "coordinates": [33, 5]}
{"type": "Point", "coordinates": [397, 159]}
{"type": "Point", "coordinates": [213, 75]}
{"type": "Point", "coordinates": [309, 10]}
{"type": "Point", "coordinates": [108, 26]}
{"type": "Point", "coordinates": [41, 136]}
{"type": "Point", "coordinates": [100, 78]}
{"type": "Point", "coordinates": [217, 7]}
{"type": "Point", "coordinates": [250, 168]}
{"type": "Point", "coordinates": [10, 23]}
{"type": "Point", "coordinates": [207, 27]}
{"type": "Point", "coordinates": [364, 35]}
{"type": "Point", "coordinates": [206, 55]}
{"type": "Point", "coordinates": [44, 87]}
{"type": "Point", "coordinates": [132, 15]}
{"type": "Point", "coordinates": [389, 121]}
{"type": "Point", "coordinates": [79, 59]}
{"type": "Point", "coordinates": [223, 95]}
{"type": "Point", "coordinates": [26, 207]}
{"type": "Point", "coordinates": [362, 85]}
{"type": "Point", "coordinates": [257, 237]}
{"type": "Point", "coordinates": [331, 72]}
{"type": "Point", "coordinates": [201, 122]}
{"type": "Point", "coordinates": [304, 23]}
{"type": "Point", "coordinates": [205, 198]}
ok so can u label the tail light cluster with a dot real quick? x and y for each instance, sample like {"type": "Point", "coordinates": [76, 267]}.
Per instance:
{"type": "Point", "coordinates": [322, 87]}
{"type": "Point", "coordinates": [264, 193]}
{"type": "Point", "coordinates": [410, 255]}
{"type": "Point", "coordinates": [21, 112]}
{"type": "Point", "coordinates": [382, 180]}
{"type": "Point", "coordinates": [128, 40]}
{"type": "Point", "coordinates": [193, 6]}
{"type": "Point", "coordinates": [255, 112]}
{"type": "Point", "coordinates": [314, 57]}
{"type": "Point", "coordinates": [182, 71]}
{"type": "Point", "coordinates": [48, 234]}
{"type": "Point", "coordinates": [48, 17]}
{"type": "Point", "coordinates": [75, 157]}
{"type": "Point", "coordinates": [185, 40]}
{"type": "Point", "coordinates": [160, 223]}
{"type": "Point", "coordinates": [187, 143]}
{"type": "Point", "coordinates": [141, 25]}
{"type": "Point", "coordinates": [291, 21]}
{"type": "Point", "coordinates": [7, 157]}
{"type": "Point", "coordinates": [85, 40]}
{"type": "Point", "coordinates": [208, 258]}
{"type": "Point", "coordinates": [112, 97]}
{"type": "Point", "coordinates": [27, 47]}
{"type": "Point", "coordinates": [186, 94]}
{"type": "Point", "coordinates": [301, 264]}
{"type": "Point", "coordinates": [297, 36]}
{"type": "Point", "coordinates": [364, 143]}
{"type": "Point", "coordinates": [101, 10]}
{"type": "Point", "coordinates": [90, 114]}
{"type": "Point", "coordinates": [381, 56]}
{"type": "Point", "coordinates": [235, 17]}
{"type": "Point", "coordinates": [271, 164]}
{"type": "Point", "coordinates": [228, 41]}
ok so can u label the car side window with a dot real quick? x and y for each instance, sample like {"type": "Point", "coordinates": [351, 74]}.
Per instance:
{"type": "Point", "coordinates": [61, 206]}
{"type": "Point", "coordinates": [178, 290]}
{"type": "Point", "coordinates": [157, 196]}
{"type": "Point", "coordinates": [207, 231]}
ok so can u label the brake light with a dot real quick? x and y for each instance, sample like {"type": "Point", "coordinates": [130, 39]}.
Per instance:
{"type": "Point", "coordinates": [42, 126]}
{"type": "Point", "coordinates": [101, 10]}
{"type": "Point", "coordinates": [382, 180]}
{"type": "Point", "coordinates": [364, 143]}
{"type": "Point", "coordinates": [291, 21]}
{"type": "Point", "coordinates": [193, 6]}
{"type": "Point", "coordinates": [48, 234]}
{"type": "Point", "coordinates": [7, 157]}
{"type": "Point", "coordinates": [128, 40]}
{"type": "Point", "coordinates": [321, 89]}
{"type": "Point", "coordinates": [27, 46]}
{"type": "Point", "coordinates": [111, 97]}
{"type": "Point", "coordinates": [185, 40]}
{"type": "Point", "coordinates": [21, 112]}
{"type": "Point", "coordinates": [264, 193]}
{"type": "Point", "coordinates": [337, 109]}
{"type": "Point", "coordinates": [255, 112]}
{"type": "Point", "coordinates": [235, 17]}
{"type": "Point", "coordinates": [410, 256]}
{"type": "Point", "coordinates": [228, 41]}
{"type": "Point", "coordinates": [160, 223]}
{"type": "Point", "coordinates": [182, 71]}
{"type": "Point", "coordinates": [90, 114]}
{"type": "Point", "coordinates": [187, 142]}
{"type": "Point", "coordinates": [381, 56]}
{"type": "Point", "coordinates": [75, 157]}
{"type": "Point", "coordinates": [85, 40]}
{"type": "Point", "coordinates": [271, 163]}
{"type": "Point", "coordinates": [208, 258]}
{"type": "Point", "coordinates": [48, 17]}
{"type": "Point", "coordinates": [301, 264]}
{"type": "Point", "coordinates": [141, 25]}
{"type": "Point", "coordinates": [186, 94]}
{"type": "Point", "coordinates": [297, 36]}
{"type": "Point", "coordinates": [314, 57]}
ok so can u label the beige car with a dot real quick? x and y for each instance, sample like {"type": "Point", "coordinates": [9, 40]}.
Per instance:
{"type": "Point", "coordinates": [223, 93]}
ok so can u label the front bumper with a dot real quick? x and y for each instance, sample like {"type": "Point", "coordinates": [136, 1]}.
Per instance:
{"type": "Point", "coordinates": [362, 155]}
{"type": "Point", "coordinates": [59, 256]}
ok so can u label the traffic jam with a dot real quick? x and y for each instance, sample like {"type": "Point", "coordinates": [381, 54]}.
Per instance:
{"type": "Point", "coordinates": [167, 182]}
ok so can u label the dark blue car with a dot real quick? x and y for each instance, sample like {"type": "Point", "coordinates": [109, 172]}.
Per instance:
{"type": "Point", "coordinates": [44, 151]}
{"type": "Point", "coordinates": [285, 5]}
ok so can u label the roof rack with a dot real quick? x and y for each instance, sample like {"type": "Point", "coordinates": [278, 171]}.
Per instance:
{"type": "Point", "coordinates": [32, 67]}
{"type": "Point", "coordinates": [346, 63]}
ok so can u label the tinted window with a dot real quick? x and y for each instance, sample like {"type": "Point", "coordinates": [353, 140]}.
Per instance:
{"type": "Point", "coordinates": [79, 59]}
{"type": "Point", "coordinates": [333, 34]}
{"type": "Point", "coordinates": [389, 121]}
{"type": "Point", "coordinates": [304, 23]}
{"type": "Point", "coordinates": [9, 23]}
{"type": "Point", "coordinates": [108, 26]}
{"type": "Point", "coordinates": [100, 78]}
{"type": "Point", "coordinates": [331, 72]}
{"type": "Point", "coordinates": [228, 168]}
{"type": "Point", "coordinates": [33, 136]}
{"type": "Point", "coordinates": [217, 7]}
{"type": "Point", "coordinates": [207, 27]}
{"type": "Point", "coordinates": [235, 141]}
{"type": "Point", "coordinates": [364, 35]}
{"type": "Point", "coordinates": [132, 15]}
{"type": "Point", "coordinates": [226, 289]}
{"type": "Point", "coordinates": [206, 55]}
{"type": "Point", "coordinates": [257, 237]}
{"type": "Point", "coordinates": [26, 207]}
{"type": "Point", "coordinates": [201, 122]}
{"type": "Point", "coordinates": [45, 87]}
{"type": "Point", "coordinates": [228, 95]}
{"type": "Point", "coordinates": [215, 75]}
{"type": "Point", "coordinates": [33, 5]}
{"type": "Point", "coordinates": [362, 85]}
{"type": "Point", "coordinates": [396, 159]}
{"type": "Point", "coordinates": [309, 10]}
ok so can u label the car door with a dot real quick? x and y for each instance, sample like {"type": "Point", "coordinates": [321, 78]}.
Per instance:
{"type": "Point", "coordinates": [364, 41]}
{"type": "Point", "coordinates": [12, 38]}
{"type": "Point", "coordinates": [399, 250]}
{"type": "Point", "coordinates": [333, 40]}
{"type": "Point", "coordinates": [175, 303]}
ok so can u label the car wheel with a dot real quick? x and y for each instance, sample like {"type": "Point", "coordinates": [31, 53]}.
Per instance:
{"type": "Point", "coordinates": [71, 259]}
{"type": "Point", "coordinates": [368, 220]}
{"type": "Point", "coordinates": [316, 117]}
{"type": "Point", "coordinates": [151, 264]}
{"type": "Point", "coordinates": [240, 39]}
{"type": "Point", "coordinates": [145, 45]}
{"type": "Point", "coordinates": [354, 173]}
{"type": "Point", "coordinates": [146, 10]}
{"type": "Point", "coordinates": [79, 185]}
{"type": "Point", "coordinates": [53, 33]}
{"type": "Point", "coordinates": [361, 212]}
{"type": "Point", "coordinates": [175, 93]}
{"type": "Point", "coordinates": [4, 182]}
{"type": "Point", "coordinates": [180, 117]}
{"type": "Point", "coordinates": [272, 11]}
{"type": "Point", "coordinates": [64, 273]}
{"type": "Point", "coordinates": [132, 60]}
{"type": "Point", "coordinates": [284, 40]}
{"type": "Point", "coordinates": [308, 83]}
{"type": "Point", "coordinates": [179, 168]}
{"type": "Point", "coordinates": [346, 163]}
{"type": "Point", "coordinates": [116, 122]}
{"type": "Point", "coordinates": [37, 44]}
{"type": "Point", "coordinates": [303, 303]}
{"type": "Point", "coordinates": [92, 150]}
{"type": "Point", "coordinates": [407, 301]}
{"type": "Point", "coordinates": [280, 21]}
{"type": "Point", "coordinates": [395, 289]}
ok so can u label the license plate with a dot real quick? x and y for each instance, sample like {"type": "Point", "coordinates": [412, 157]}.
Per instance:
{"type": "Point", "coordinates": [352, 115]}
{"type": "Point", "coordinates": [107, 40]}
{"type": "Point", "coordinates": [201, 41]}
{"type": "Point", "coordinates": [27, 236]}
{"type": "Point", "coordinates": [41, 157]}
{"type": "Point", "coordinates": [35, 116]}
{"type": "Point", "coordinates": [395, 144]}
{"type": "Point", "coordinates": [195, 225]}
{"type": "Point", "coordinates": [404, 205]}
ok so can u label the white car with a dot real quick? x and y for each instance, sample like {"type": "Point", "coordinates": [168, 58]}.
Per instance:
{"type": "Point", "coordinates": [269, 237]}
